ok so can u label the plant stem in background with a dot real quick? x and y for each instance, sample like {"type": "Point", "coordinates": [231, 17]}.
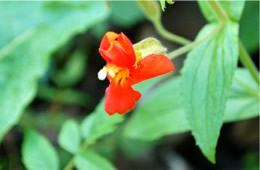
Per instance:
{"type": "Point", "coordinates": [71, 163]}
{"type": "Point", "coordinates": [168, 35]}
{"type": "Point", "coordinates": [248, 63]}
{"type": "Point", "coordinates": [191, 45]}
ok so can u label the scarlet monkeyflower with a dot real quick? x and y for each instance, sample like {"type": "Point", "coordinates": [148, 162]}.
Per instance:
{"type": "Point", "coordinates": [125, 67]}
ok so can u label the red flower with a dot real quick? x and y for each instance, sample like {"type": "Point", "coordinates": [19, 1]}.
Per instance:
{"type": "Point", "coordinates": [124, 68]}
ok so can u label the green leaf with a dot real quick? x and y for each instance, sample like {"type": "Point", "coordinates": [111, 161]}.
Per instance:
{"type": "Point", "coordinates": [91, 160]}
{"type": "Point", "coordinates": [38, 153]}
{"type": "Point", "coordinates": [208, 72]}
{"type": "Point", "coordinates": [233, 9]}
{"type": "Point", "coordinates": [249, 26]}
{"type": "Point", "coordinates": [27, 41]}
{"type": "Point", "coordinates": [125, 13]}
{"type": "Point", "coordinates": [99, 123]}
{"type": "Point", "coordinates": [168, 112]}
{"type": "Point", "coordinates": [69, 137]}
{"type": "Point", "coordinates": [242, 104]}
{"type": "Point", "coordinates": [133, 148]}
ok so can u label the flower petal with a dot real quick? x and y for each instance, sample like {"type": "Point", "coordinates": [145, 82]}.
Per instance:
{"type": "Point", "coordinates": [151, 66]}
{"type": "Point", "coordinates": [120, 99]}
{"type": "Point", "coordinates": [117, 49]}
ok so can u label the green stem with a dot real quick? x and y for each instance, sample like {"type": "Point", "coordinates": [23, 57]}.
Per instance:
{"type": "Point", "coordinates": [248, 63]}
{"type": "Point", "coordinates": [168, 35]}
{"type": "Point", "coordinates": [190, 46]}
{"type": "Point", "coordinates": [71, 163]}
{"type": "Point", "coordinates": [221, 14]}
{"type": "Point", "coordinates": [244, 56]}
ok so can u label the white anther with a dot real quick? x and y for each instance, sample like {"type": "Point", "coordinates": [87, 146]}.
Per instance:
{"type": "Point", "coordinates": [102, 74]}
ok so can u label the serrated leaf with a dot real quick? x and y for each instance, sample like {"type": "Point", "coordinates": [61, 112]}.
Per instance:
{"type": "Point", "coordinates": [233, 9]}
{"type": "Point", "coordinates": [92, 161]}
{"type": "Point", "coordinates": [207, 76]}
{"type": "Point", "coordinates": [69, 137]}
{"type": "Point", "coordinates": [99, 123]}
{"type": "Point", "coordinates": [168, 112]}
{"type": "Point", "coordinates": [38, 153]}
{"type": "Point", "coordinates": [28, 39]}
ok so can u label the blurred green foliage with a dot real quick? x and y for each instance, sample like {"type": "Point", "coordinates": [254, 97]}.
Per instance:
{"type": "Point", "coordinates": [28, 40]}
{"type": "Point", "coordinates": [125, 13]}
{"type": "Point", "coordinates": [35, 33]}
{"type": "Point", "coordinates": [34, 144]}
{"type": "Point", "coordinates": [249, 26]}
{"type": "Point", "coordinates": [90, 160]}
{"type": "Point", "coordinates": [251, 161]}
{"type": "Point", "coordinates": [72, 72]}
{"type": "Point", "coordinates": [69, 137]}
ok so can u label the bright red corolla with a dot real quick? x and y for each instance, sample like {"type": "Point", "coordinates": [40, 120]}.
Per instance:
{"type": "Point", "coordinates": [126, 67]}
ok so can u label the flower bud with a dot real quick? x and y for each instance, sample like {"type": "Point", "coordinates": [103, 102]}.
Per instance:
{"type": "Point", "coordinates": [149, 46]}
{"type": "Point", "coordinates": [151, 9]}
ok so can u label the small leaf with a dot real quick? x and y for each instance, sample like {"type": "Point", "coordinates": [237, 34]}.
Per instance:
{"type": "Point", "coordinates": [99, 123]}
{"type": "Point", "coordinates": [208, 73]}
{"type": "Point", "coordinates": [163, 5]}
{"type": "Point", "coordinates": [233, 9]}
{"type": "Point", "coordinates": [38, 153]}
{"type": "Point", "coordinates": [69, 137]}
{"type": "Point", "coordinates": [92, 161]}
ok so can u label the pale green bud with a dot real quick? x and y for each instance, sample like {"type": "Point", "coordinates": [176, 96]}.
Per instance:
{"type": "Point", "coordinates": [151, 9]}
{"type": "Point", "coordinates": [149, 46]}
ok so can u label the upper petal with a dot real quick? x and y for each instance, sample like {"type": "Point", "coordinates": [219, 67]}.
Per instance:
{"type": "Point", "coordinates": [120, 99]}
{"type": "Point", "coordinates": [117, 49]}
{"type": "Point", "coordinates": [151, 66]}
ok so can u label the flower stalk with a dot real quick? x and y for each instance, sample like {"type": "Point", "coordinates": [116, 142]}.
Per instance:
{"type": "Point", "coordinates": [244, 56]}
{"type": "Point", "coordinates": [192, 45]}
{"type": "Point", "coordinates": [168, 35]}
{"type": "Point", "coordinates": [248, 63]}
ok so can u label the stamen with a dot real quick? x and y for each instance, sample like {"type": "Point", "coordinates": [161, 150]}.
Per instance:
{"type": "Point", "coordinates": [102, 74]}
{"type": "Point", "coordinates": [112, 72]}
{"type": "Point", "coordinates": [119, 74]}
